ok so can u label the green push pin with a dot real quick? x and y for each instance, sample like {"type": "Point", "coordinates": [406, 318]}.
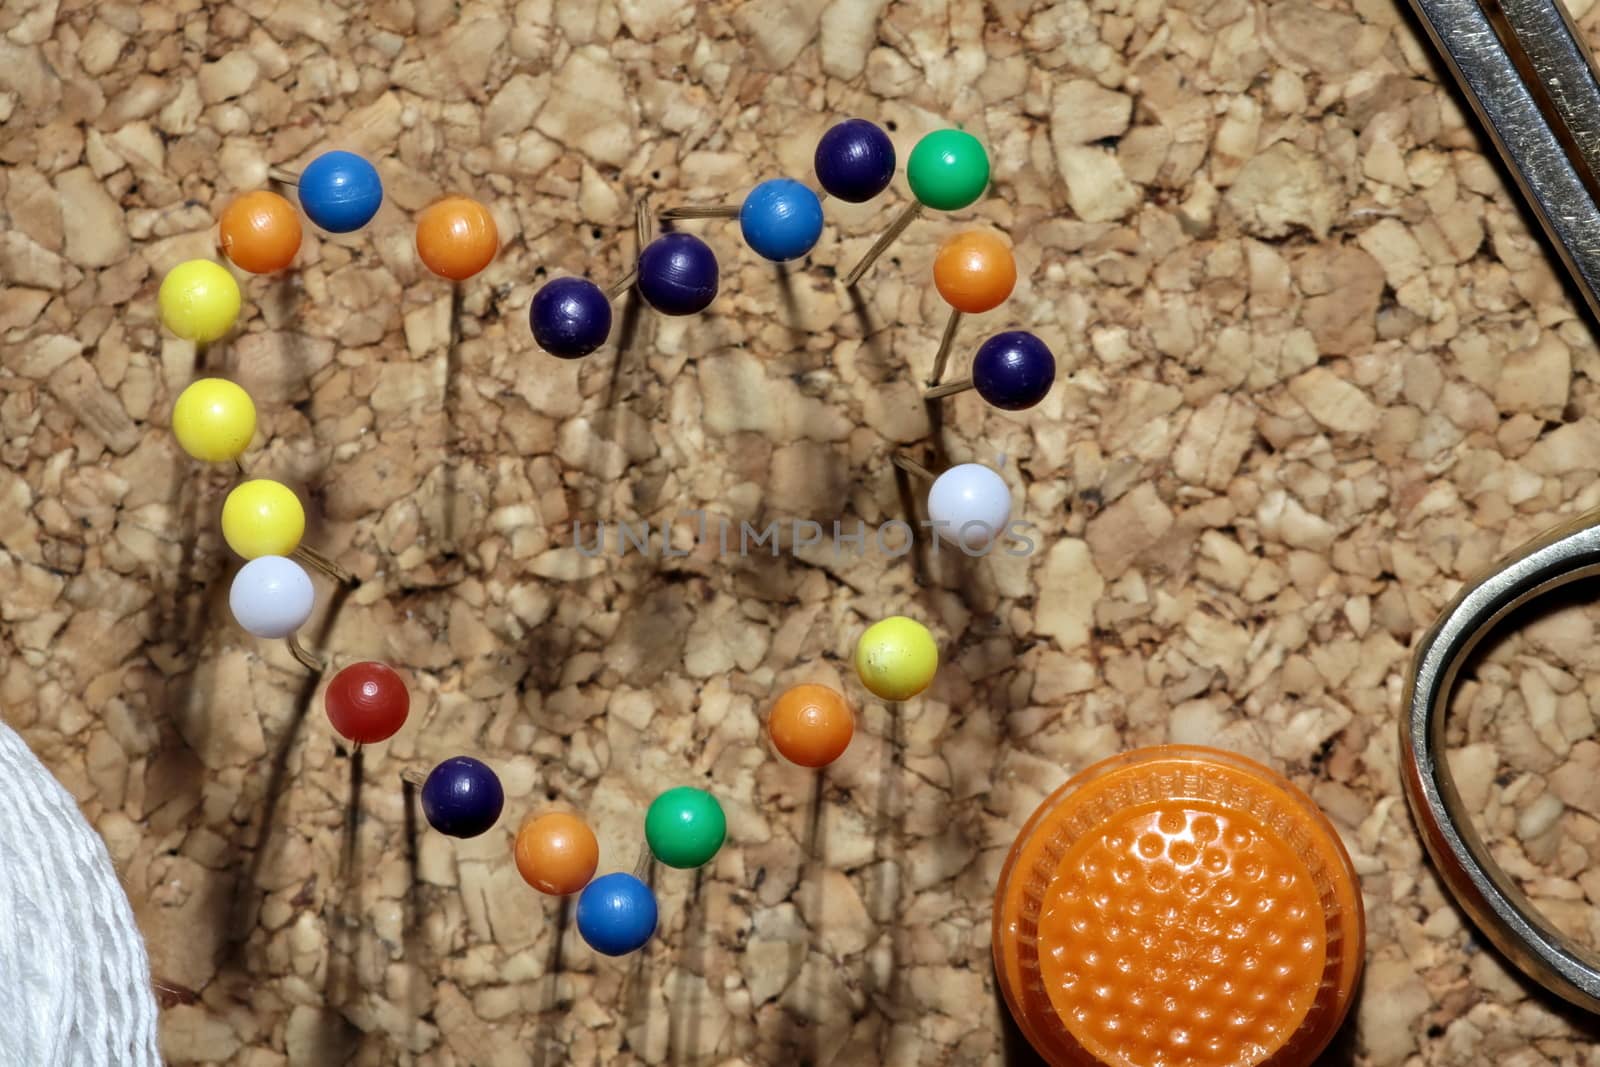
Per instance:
{"type": "Point", "coordinates": [685, 827]}
{"type": "Point", "coordinates": [948, 170]}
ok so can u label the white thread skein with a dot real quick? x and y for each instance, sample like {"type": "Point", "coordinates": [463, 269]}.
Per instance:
{"type": "Point", "coordinates": [271, 596]}
{"type": "Point", "coordinates": [74, 978]}
{"type": "Point", "coordinates": [970, 506]}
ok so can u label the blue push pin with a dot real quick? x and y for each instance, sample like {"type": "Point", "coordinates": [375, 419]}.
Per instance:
{"type": "Point", "coordinates": [855, 161]}
{"type": "Point", "coordinates": [781, 220]}
{"type": "Point", "coordinates": [616, 914]}
{"type": "Point", "coordinates": [678, 274]}
{"type": "Point", "coordinates": [1012, 371]}
{"type": "Point", "coordinates": [461, 797]}
{"type": "Point", "coordinates": [571, 317]}
{"type": "Point", "coordinates": [340, 191]}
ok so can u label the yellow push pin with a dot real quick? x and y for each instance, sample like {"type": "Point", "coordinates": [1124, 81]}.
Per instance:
{"type": "Point", "coordinates": [262, 517]}
{"type": "Point", "coordinates": [896, 658]}
{"type": "Point", "coordinates": [214, 420]}
{"type": "Point", "coordinates": [199, 301]}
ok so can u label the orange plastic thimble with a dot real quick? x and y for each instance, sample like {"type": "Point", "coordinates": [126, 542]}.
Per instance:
{"type": "Point", "coordinates": [1178, 906]}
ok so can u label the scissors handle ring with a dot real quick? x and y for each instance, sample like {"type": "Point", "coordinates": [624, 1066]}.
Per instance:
{"type": "Point", "coordinates": [1566, 554]}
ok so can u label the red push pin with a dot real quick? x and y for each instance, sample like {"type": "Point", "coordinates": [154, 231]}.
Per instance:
{"type": "Point", "coordinates": [367, 702]}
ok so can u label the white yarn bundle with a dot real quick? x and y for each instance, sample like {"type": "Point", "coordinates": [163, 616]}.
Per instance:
{"type": "Point", "coordinates": [74, 979]}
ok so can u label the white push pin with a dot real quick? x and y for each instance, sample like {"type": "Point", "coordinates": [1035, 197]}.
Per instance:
{"type": "Point", "coordinates": [272, 597]}
{"type": "Point", "coordinates": [969, 504]}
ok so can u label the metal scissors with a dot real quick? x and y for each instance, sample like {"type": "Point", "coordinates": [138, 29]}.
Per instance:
{"type": "Point", "coordinates": [1532, 81]}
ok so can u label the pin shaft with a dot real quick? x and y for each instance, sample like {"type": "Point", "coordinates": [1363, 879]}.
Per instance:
{"type": "Point", "coordinates": [941, 359]}
{"type": "Point", "coordinates": [712, 211]}
{"type": "Point", "coordinates": [311, 557]}
{"type": "Point", "coordinates": [307, 660]}
{"type": "Point", "coordinates": [896, 228]}
{"type": "Point", "coordinates": [960, 385]}
{"type": "Point", "coordinates": [911, 466]}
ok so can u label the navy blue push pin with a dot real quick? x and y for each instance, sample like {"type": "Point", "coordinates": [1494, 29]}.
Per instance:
{"type": "Point", "coordinates": [855, 161]}
{"type": "Point", "coordinates": [571, 317]}
{"type": "Point", "coordinates": [1012, 371]}
{"type": "Point", "coordinates": [678, 274]}
{"type": "Point", "coordinates": [461, 797]}
{"type": "Point", "coordinates": [616, 914]}
{"type": "Point", "coordinates": [339, 191]}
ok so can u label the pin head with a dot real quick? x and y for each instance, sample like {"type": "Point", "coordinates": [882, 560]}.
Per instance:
{"type": "Point", "coordinates": [974, 271]}
{"type": "Point", "coordinates": [678, 274]}
{"type": "Point", "coordinates": [556, 853]}
{"type": "Point", "coordinates": [969, 505]}
{"type": "Point", "coordinates": [214, 420]}
{"type": "Point", "coordinates": [781, 220]}
{"type": "Point", "coordinates": [948, 170]}
{"type": "Point", "coordinates": [462, 797]}
{"type": "Point", "coordinates": [811, 725]}
{"type": "Point", "coordinates": [896, 658]}
{"type": "Point", "coordinates": [456, 237]}
{"type": "Point", "coordinates": [616, 914]}
{"type": "Point", "coordinates": [199, 301]}
{"type": "Point", "coordinates": [685, 827]}
{"type": "Point", "coordinates": [271, 596]}
{"type": "Point", "coordinates": [1013, 370]}
{"type": "Point", "coordinates": [262, 517]}
{"type": "Point", "coordinates": [340, 191]}
{"type": "Point", "coordinates": [367, 702]}
{"type": "Point", "coordinates": [260, 232]}
{"type": "Point", "coordinates": [854, 161]}
{"type": "Point", "coordinates": [570, 317]}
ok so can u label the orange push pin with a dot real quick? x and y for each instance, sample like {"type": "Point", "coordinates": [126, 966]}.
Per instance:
{"type": "Point", "coordinates": [1178, 905]}
{"type": "Point", "coordinates": [456, 237]}
{"type": "Point", "coordinates": [556, 853]}
{"type": "Point", "coordinates": [260, 232]}
{"type": "Point", "coordinates": [811, 725]}
{"type": "Point", "coordinates": [974, 272]}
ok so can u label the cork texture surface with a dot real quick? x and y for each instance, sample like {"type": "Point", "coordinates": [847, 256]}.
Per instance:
{"type": "Point", "coordinates": [1314, 371]}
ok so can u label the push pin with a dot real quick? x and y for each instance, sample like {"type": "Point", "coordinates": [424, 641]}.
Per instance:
{"type": "Point", "coordinates": [259, 232]}
{"type": "Point", "coordinates": [948, 170]}
{"type": "Point", "coordinates": [214, 420]}
{"type": "Point", "coordinates": [685, 827]}
{"type": "Point", "coordinates": [272, 597]}
{"type": "Point", "coordinates": [1012, 371]}
{"type": "Point", "coordinates": [367, 703]}
{"type": "Point", "coordinates": [457, 238]}
{"type": "Point", "coordinates": [969, 504]}
{"type": "Point", "coordinates": [896, 659]}
{"type": "Point", "coordinates": [571, 317]}
{"type": "Point", "coordinates": [461, 797]}
{"type": "Point", "coordinates": [199, 301]}
{"type": "Point", "coordinates": [974, 272]}
{"type": "Point", "coordinates": [678, 274]}
{"type": "Point", "coordinates": [556, 853]}
{"type": "Point", "coordinates": [811, 725]}
{"type": "Point", "coordinates": [780, 219]}
{"type": "Point", "coordinates": [854, 161]}
{"type": "Point", "coordinates": [339, 191]}
{"type": "Point", "coordinates": [262, 517]}
{"type": "Point", "coordinates": [616, 914]}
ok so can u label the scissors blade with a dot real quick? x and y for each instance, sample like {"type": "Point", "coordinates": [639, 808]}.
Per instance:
{"type": "Point", "coordinates": [1532, 82]}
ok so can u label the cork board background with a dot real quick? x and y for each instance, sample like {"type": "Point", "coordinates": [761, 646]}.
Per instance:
{"type": "Point", "coordinates": [1315, 371]}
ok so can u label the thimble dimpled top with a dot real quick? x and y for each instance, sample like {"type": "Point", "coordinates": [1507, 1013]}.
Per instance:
{"type": "Point", "coordinates": [1178, 906]}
